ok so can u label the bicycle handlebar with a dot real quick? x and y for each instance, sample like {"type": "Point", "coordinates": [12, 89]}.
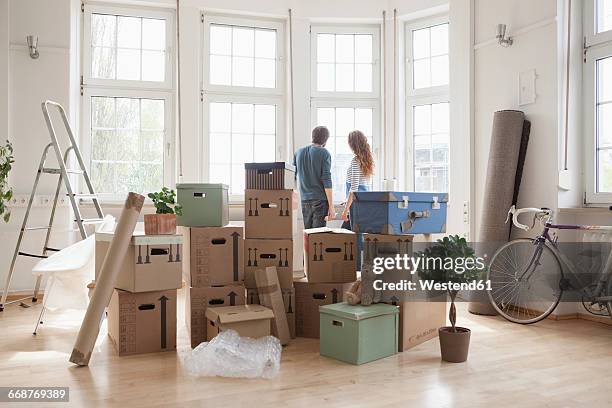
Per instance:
{"type": "Point", "coordinates": [515, 213]}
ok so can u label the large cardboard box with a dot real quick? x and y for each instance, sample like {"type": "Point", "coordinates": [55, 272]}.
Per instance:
{"type": "Point", "coordinates": [213, 256]}
{"type": "Point", "coordinates": [419, 322]}
{"type": "Point", "coordinates": [197, 300]}
{"type": "Point", "coordinates": [249, 320]}
{"type": "Point", "coordinates": [261, 253]}
{"type": "Point", "coordinates": [270, 214]}
{"type": "Point", "coordinates": [152, 262]}
{"type": "Point", "coordinates": [330, 255]}
{"type": "Point", "coordinates": [252, 298]}
{"type": "Point", "coordinates": [270, 295]}
{"type": "Point", "coordinates": [142, 322]}
{"type": "Point", "coordinates": [374, 245]}
{"type": "Point", "coordinates": [308, 297]}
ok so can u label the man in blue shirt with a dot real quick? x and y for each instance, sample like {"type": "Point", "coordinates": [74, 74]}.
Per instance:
{"type": "Point", "coordinates": [313, 170]}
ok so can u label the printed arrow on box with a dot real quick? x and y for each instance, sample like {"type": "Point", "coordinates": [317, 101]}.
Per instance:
{"type": "Point", "coordinates": [334, 292]}
{"type": "Point", "coordinates": [232, 297]}
{"type": "Point", "coordinates": [235, 236]}
{"type": "Point", "coordinates": [163, 301]}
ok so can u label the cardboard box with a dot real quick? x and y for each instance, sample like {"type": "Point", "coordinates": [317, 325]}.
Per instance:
{"type": "Point", "coordinates": [248, 320]}
{"type": "Point", "coordinates": [308, 298]}
{"type": "Point", "coordinates": [269, 176]}
{"type": "Point", "coordinates": [288, 301]}
{"type": "Point", "coordinates": [330, 255]}
{"type": "Point", "coordinates": [213, 256]}
{"type": "Point", "coordinates": [374, 245]}
{"type": "Point", "coordinates": [270, 214]}
{"type": "Point", "coordinates": [142, 322]}
{"type": "Point", "coordinates": [197, 300]}
{"type": "Point", "coordinates": [270, 296]}
{"type": "Point", "coordinates": [261, 253]}
{"type": "Point", "coordinates": [419, 322]}
{"type": "Point", "coordinates": [152, 262]}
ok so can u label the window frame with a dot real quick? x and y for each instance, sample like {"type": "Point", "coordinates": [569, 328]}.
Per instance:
{"type": "Point", "coordinates": [316, 29]}
{"type": "Point", "coordinates": [254, 22]}
{"type": "Point", "coordinates": [168, 16]}
{"type": "Point", "coordinates": [241, 94]}
{"type": "Point", "coordinates": [597, 46]}
{"type": "Point", "coordinates": [421, 96]}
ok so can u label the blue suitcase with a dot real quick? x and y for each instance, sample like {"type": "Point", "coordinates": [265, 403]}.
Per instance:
{"type": "Point", "coordinates": [391, 212]}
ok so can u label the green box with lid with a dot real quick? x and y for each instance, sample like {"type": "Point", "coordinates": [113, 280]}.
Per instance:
{"type": "Point", "coordinates": [358, 334]}
{"type": "Point", "coordinates": [204, 205]}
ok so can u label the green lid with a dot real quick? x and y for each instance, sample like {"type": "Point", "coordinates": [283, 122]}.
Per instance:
{"type": "Point", "coordinates": [200, 186]}
{"type": "Point", "coordinates": [358, 312]}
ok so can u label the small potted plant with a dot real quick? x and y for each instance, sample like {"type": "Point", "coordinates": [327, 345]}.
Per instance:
{"type": "Point", "coordinates": [454, 340]}
{"type": "Point", "coordinates": [163, 222]}
{"type": "Point", "coordinates": [6, 193]}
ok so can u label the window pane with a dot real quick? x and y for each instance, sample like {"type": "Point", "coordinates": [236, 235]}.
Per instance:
{"type": "Point", "coordinates": [431, 147]}
{"type": "Point", "coordinates": [220, 148]}
{"type": "Point", "coordinates": [242, 71]}
{"type": "Point", "coordinates": [128, 64]}
{"type": "Point", "coordinates": [220, 117]}
{"type": "Point", "coordinates": [325, 77]}
{"type": "Point", "coordinates": [422, 119]}
{"type": "Point", "coordinates": [128, 32]}
{"type": "Point", "coordinates": [220, 40]}
{"type": "Point", "coordinates": [103, 30]}
{"type": "Point", "coordinates": [153, 34]}
{"type": "Point", "coordinates": [326, 48]}
{"type": "Point", "coordinates": [344, 78]}
{"type": "Point", "coordinates": [345, 121]}
{"type": "Point", "coordinates": [242, 148]}
{"type": "Point", "coordinates": [326, 117]}
{"type": "Point", "coordinates": [363, 48]}
{"type": "Point", "coordinates": [265, 44]}
{"type": "Point", "coordinates": [153, 146]}
{"type": "Point", "coordinates": [153, 66]}
{"type": "Point", "coordinates": [103, 63]}
{"type": "Point", "coordinates": [422, 156]}
{"type": "Point", "coordinates": [243, 42]}
{"type": "Point", "coordinates": [342, 146]}
{"type": "Point", "coordinates": [439, 118]}
{"type": "Point", "coordinates": [265, 119]}
{"type": "Point", "coordinates": [604, 173]}
{"type": "Point", "coordinates": [439, 71]}
{"type": "Point", "coordinates": [345, 51]}
{"type": "Point", "coordinates": [242, 118]}
{"type": "Point", "coordinates": [128, 145]}
{"type": "Point", "coordinates": [604, 126]}
{"type": "Point", "coordinates": [220, 70]}
{"type": "Point", "coordinates": [102, 112]}
{"type": "Point", "coordinates": [262, 151]}
{"type": "Point", "coordinates": [220, 173]}
{"type": "Point", "coordinates": [420, 43]}
{"type": "Point", "coordinates": [604, 15]}
{"type": "Point", "coordinates": [103, 144]}
{"type": "Point", "coordinates": [265, 73]}
{"type": "Point", "coordinates": [103, 176]}
{"type": "Point", "coordinates": [363, 78]}
{"type": "Point", "coordinates": [237, 181]}
{"type": "Point", "coordinates": [363, 121]}
{"type": "Point", "coordinates": [152, 114]}
{"type": "Point", "coordinates": [604, 80]}
{"type": "Point", "coordinates": [439, 39]}
{"type": "Point", "coordinates": [421, 74]}
{"type": "Point", "coordinates": [128, 113]}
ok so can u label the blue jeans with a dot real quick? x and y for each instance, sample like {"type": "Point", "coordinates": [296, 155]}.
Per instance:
{"type": "Point", "coordinates": [314, 213]}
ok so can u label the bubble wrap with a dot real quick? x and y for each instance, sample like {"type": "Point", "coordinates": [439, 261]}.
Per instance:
{"type": "Point", "coordinates": [229, 355]}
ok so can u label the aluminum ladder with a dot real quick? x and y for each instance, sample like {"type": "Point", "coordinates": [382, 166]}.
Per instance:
{"type": "Point", "coordinates": [63, 172]}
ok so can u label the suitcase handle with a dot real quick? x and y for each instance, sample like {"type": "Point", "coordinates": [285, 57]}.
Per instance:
{"type": "Point", "coordinates": [337, 323]}
{"type": "Point", "coordinates": [199, 195]}
{"type": "Point", "coordinates": [419, 214]}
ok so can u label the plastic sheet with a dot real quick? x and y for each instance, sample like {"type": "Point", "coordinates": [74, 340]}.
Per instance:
{"type": "Point", "coordinates": [229, 355]}
{"type": "Point", "coordinates": [69, 271]}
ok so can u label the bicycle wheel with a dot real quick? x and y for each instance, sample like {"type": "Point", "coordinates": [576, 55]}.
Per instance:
{"type": "Point", "coordinates": [525, 281]}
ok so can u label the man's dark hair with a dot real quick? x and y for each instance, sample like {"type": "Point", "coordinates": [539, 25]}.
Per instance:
{"type": "Point", "coordinates": [320, 134]}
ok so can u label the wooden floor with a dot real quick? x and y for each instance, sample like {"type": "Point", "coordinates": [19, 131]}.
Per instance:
{"type": "Point", "coordinates": [554, 363]}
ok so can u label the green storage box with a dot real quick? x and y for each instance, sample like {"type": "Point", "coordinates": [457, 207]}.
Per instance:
{"type": "Point", "coordinates": [358, 334]}
{"type": "Point", "coordinates": [204, 205]}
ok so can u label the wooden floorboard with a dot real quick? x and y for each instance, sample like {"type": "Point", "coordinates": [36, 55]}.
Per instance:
{"type": "Point", "coordinates": [553, 363]}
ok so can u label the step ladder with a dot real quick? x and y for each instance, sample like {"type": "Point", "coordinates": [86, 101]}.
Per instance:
{"type": "Point", "coordinates": [63, 172]}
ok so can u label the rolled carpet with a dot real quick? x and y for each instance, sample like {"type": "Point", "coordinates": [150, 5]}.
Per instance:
{"type": "Point", "coordinates": [507, 152]}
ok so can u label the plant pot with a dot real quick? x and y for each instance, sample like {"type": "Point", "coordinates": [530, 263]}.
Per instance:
{"type": "Point", "coordinates": [160, 224]}
{"type": "Point", "coordinates": [454, 346]}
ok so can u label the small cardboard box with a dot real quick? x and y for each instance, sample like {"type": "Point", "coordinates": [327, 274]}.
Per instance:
{"type": "Point", "coordinates": [270, 214]}
{"type": "Point", "coordinates": [248, 320]}
{"type": "Point", "coordinates": [308, 298]}
{"type": "Point", "coordinates": [197, 300]}
{"type": "Point", "coordinates": [204, 205]}
{"type": "Point", "coordinates": [270, 295]}
{"type": "Point", "coordinates": [419, 322]}
{"type": "Point", "coordinates": [269, 176]}
{"type": "Point", "coordinates": [358, 334]}
{"type": "Point", "coordinates": [213, 256]}
{"type": "Point", "coordinates": [152, 262]}
{"type": "Point", "coordinates": [330, 255]}
{"type": "Point", "coordinates": [142, 322]}
{"type": "Point", "coordinates": [288, 301]}
{"type": "Point", "coordinates": [261, 253]}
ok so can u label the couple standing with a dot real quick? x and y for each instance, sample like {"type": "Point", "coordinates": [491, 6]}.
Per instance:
{"type": "Point", "coordinates": [313, 169]}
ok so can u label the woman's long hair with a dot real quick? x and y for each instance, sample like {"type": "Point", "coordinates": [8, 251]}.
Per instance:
{"type": "Point", "coordinates": [361, 148]}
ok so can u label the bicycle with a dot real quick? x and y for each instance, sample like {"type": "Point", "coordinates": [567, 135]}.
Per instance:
{"type": "Point", "coordinates": [527, 276]}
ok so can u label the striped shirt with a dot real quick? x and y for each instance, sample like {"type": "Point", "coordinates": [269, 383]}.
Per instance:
{"type": "Point", "coordinates": [354, 176]}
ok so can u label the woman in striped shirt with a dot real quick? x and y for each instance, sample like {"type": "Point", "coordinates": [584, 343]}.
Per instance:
{"type": "Point", "coordinates": [359, 172]}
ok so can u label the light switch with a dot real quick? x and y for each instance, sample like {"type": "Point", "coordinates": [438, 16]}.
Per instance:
{"type": "Point", "coordinates": [527, 87]}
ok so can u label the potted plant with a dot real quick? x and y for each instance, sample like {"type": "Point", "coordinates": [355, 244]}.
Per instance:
{"type": "Point", "coordinates": [454, 340]}
{"type": "Point", "coordinates": [163, 222]}
{"type": "Point", "coordinates": [6, 193]}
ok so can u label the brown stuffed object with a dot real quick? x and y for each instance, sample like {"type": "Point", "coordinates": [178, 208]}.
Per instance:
{"type": "Point", "coordinates": [353, 296]}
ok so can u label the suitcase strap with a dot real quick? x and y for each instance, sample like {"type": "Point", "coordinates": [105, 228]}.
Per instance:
{"type": "Point", "coordinates": [407, 225]}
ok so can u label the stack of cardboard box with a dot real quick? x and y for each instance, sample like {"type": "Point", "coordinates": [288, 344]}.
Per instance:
{"type": "Point", "coordinates": [330, 256]}
{"type": "Point", "coordinates": [270, 221]}
{"type": "Point", "coordinates": [212, 255]}
{"type": "Point", "coordinates": [142, 310]}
